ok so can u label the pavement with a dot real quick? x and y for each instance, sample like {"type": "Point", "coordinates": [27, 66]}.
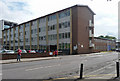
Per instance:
{"type": "Point", "coordinates": [27, 60]}
{"type": "Point", "coordinates": [40, 58]}
{"type": "Point", "coordinates": [36, 59]}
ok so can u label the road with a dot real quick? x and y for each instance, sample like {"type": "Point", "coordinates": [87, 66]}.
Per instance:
{"type": "Point", "coordinates": [95, 65]}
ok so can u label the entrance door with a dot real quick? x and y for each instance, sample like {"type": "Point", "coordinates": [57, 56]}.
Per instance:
{"type": "Point", "coordinates": [53, 47]}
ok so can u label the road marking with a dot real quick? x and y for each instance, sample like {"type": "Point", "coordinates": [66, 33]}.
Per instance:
{"type": "Point", "coordinates": [73, 77]}
{"type": "Point", "coordinates": [99, 69]}
{"type": "Point", "coordinates": [41, 67]}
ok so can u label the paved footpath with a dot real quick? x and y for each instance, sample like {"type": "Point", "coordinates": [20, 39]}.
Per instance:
{"type": "Point", "coordinates": [26, 60]}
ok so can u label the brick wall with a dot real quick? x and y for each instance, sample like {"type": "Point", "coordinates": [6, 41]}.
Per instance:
{"type": "Point", "coordinates": [24, 55]}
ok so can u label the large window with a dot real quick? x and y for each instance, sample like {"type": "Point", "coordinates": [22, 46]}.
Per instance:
{"type": "Point", "coordinates": [41, 38]}
{"type": "Point", "coordinates": [51, 17]}
{"type": "Point", "coordinates": [52, 27]}
{"type": "Point", "coordinates": [64, 24]}
{"type": "Point", "coordinates": [64, 46]}
{"type": "Point", "coordinates": [64, 35]}
{"type": "Point", "coordinates": [52, 37]}
{"type": "Point", "coordinates": [42, 20]}
{"type": "Point", "coordinates": [64, 14]}
{"type": "Point", "coordinates": [27, 25]}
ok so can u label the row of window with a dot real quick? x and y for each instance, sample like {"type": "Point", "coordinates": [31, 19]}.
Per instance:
{"type": "Point", "coordinates": [41, 38]}
{"type": "Point", "coordinates": [64, 24]}
{"type": "Point", "coordinates": [10, 41]}
{"type": "Point", "coordinates": [42, 29]}
{"type": "Point", "coordinates": [52, 37]}
{"type": "Point", "coordinates": [52, 17]}
{"type": "Point", "coordinates": [64, 14]}
{"type": "Point", "coordinates": [64, 45]}
{"type": "Point", "coordinates": [52, 27]}
{"type": "Point", "coordinates": [64, 35]}
{"type": "Point", "coordinates": [33, 31]}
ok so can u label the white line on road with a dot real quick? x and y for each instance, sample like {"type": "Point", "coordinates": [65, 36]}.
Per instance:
{"type": "Point", "coordinates": [99, 69]}
{"type": "Point", "coordinates": [42, 67]}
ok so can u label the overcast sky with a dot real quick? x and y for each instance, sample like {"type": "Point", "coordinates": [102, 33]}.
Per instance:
{"type": "Point", "coordinates": [106, 18]}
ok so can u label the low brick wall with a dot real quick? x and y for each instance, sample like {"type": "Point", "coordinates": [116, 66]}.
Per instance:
{"type": "Point", "coordinates": [24, 55]}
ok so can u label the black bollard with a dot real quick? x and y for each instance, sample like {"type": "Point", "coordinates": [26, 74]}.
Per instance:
{"type": "Point", "coordinates": [81, 71]}
{"type": "Point", "coordinates": [117, 68]}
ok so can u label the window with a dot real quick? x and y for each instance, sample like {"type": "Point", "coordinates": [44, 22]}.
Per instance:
{"type": "Point", "coordinates": [68, 45]}
{"type": "Point", "coordinates": [32, 39]}
{"type": "Point", "coordinates": [41, 38]}
{"type": "Point", "coordinates": [39, 29]}
{"type": "Point", "coordinates": [62, 35]}
{"type": "Point", "coordinates": [32, 31]}
{"type": "Point", "coordinates": [26, 39]}
{"type": "Point", "coordinates": [65, 25]}
{"type": "Point", "coordinates": [59, 46]}
{"type": "Point", "coordinates": [27, 25]}
{"type": "Point", "coordinates": [52, 27]}
{"type": "Point", "coordinates": [44, 38]}
{"type": "Point", "coordinates": [42, 20]}
{"type": "Point", "coordinates": [35, 30]}
{"type": "Point", "coordinates": [68, 23]}
{"type": "Point", "coordinates": [51, 17]}
{"type": "Point", "coordinates": [60, 26]}
{"type": "Point", "coordinates": [64, 14]}
{"type": "Point", "coordinates": [54, 36]}
{"type": "Point", "coordinates": [68, 35]}
{"type": "Point", "coordinates": [25, 33]}
{"type": "Point", "coordinates": [62, 45]}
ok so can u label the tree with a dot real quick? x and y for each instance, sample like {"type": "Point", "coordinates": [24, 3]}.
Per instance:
{"type": "Point", "coordinates": [107, 37]}
{"type": "Point", "coordinates": [110, 37]}
{"type": "Point", "coordinates": [101, 36]}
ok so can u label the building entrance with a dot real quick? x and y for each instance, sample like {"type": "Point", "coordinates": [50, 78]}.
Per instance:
{"type": "Point", "coordinates": [53, 47]}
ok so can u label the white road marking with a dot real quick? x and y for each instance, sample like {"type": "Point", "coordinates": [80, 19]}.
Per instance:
{"type": "Point", "coordinates": [99, 69]}
{"type": "Point", "coordinates": [41, 67]}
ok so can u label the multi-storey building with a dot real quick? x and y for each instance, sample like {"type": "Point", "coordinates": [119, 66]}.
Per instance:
{"type": "Point", "coordinates": [4, 25]}
{"type": "Point", "coordinates": [102, 44]}
{"type": "Point", "coordinates": [70, 30]}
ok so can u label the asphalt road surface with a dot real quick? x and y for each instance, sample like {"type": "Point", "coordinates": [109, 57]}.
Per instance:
{"type": "Point", "coordinates": [96, 65]}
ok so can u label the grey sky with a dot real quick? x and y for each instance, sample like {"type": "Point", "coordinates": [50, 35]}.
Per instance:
{"type": "Point", "coordinates": [106, 18]}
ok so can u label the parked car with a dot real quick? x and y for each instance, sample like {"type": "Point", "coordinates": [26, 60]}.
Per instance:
{"type": "Point", "coordinates": [39, 51]}
{"type": "Point", "coordinates": [118, 49]}
{"type": "Point", "coordinates": [31, 51]}
{"type": "Point", "coordinates": [1, 51]}
{"type": "Point", "coordinates": [7, 52]}
{"type": "Point", "coordinates": [24, 51]}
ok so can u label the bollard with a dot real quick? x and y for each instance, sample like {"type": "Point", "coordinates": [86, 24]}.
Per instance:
{"type": "Point", "coordinates": [117, 68]}
{"type": "Point", "coordinates": [81, 71]}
